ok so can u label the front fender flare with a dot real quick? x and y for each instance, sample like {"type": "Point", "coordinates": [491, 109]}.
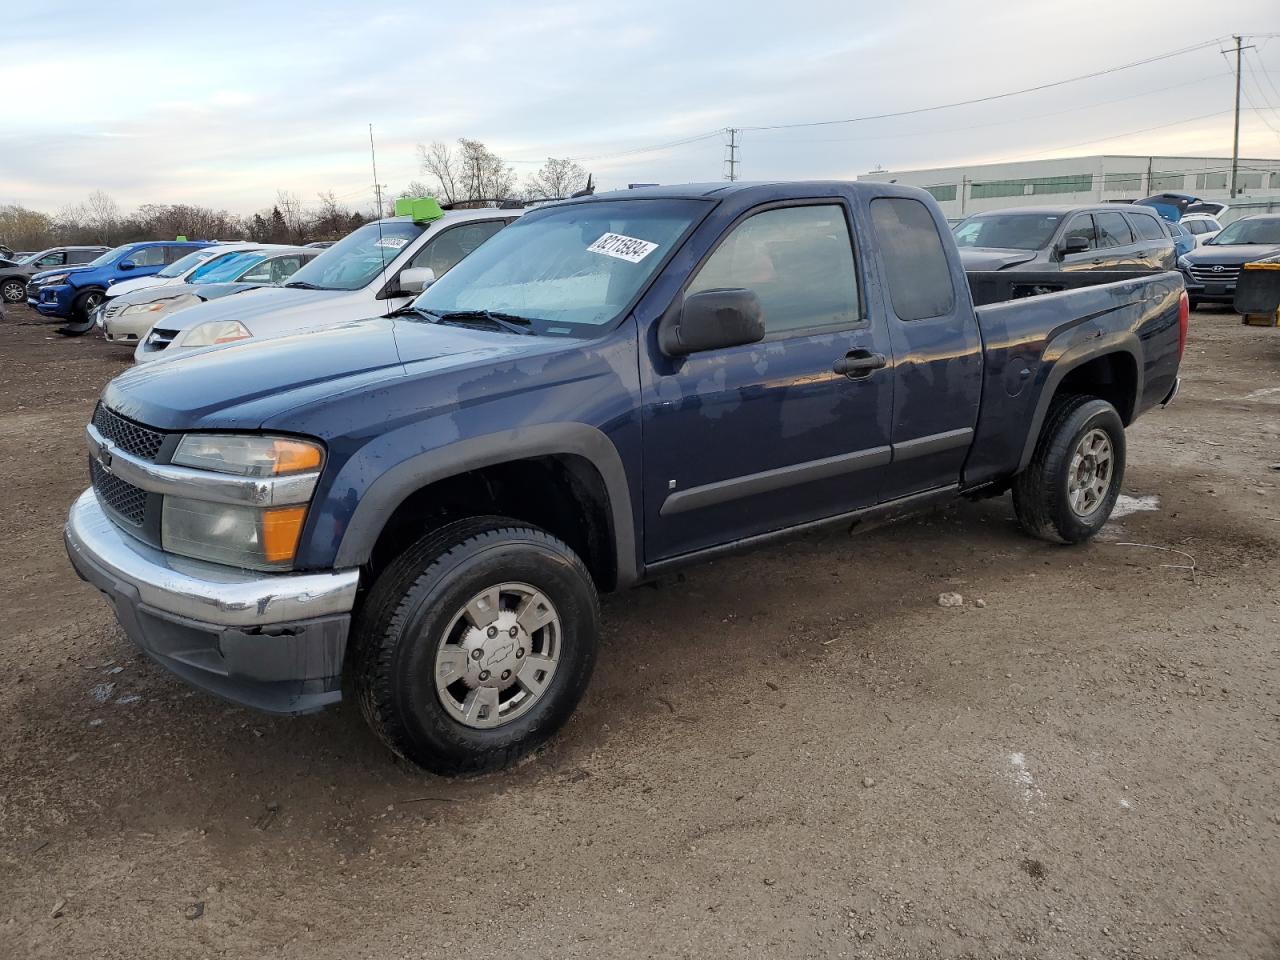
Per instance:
{"type": "Point", "coordinates": [391, 489]}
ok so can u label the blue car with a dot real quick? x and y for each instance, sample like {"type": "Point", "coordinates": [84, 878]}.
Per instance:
{"type": "Point", "coordinates": [72, 293]}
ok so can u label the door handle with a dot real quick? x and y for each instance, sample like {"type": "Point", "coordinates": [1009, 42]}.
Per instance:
{"type": "Point", "coordinates": [858, 363]}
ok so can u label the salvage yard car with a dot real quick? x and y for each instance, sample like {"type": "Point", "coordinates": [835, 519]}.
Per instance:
{"type": "Point", "coordinates": [73, 293]}
{"type": "Point", "coordinates": [376, 269]}
{"type": "Point", "coordinates": [1101, 237]}
{"type": "Point", "coordinates": [1211, 270]}
{"type": "Point", "coordinates": [426, 505]}
{"type": "Point", "coordinates": [128, 319]}
{"type": "Point", "coordinates": [14, 275]}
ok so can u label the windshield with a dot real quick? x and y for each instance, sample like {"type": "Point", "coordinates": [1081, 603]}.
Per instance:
{"type": "Point", "coordinates": [1252, 230]}
{"type": "Point", "coordinates": [1008, 231]}
{"type": "Point", "coordinates": [357, 258]}
{"type": "Point", "coordinates": [228, 267]}
{"type": "Point", "coordinates": [572, 269]}
{"type": "Point", "coordinates": [179, 267]}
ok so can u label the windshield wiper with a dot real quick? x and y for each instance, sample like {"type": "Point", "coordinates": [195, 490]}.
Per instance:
{"type": "Point", "coordinates": [513, 323]}
{"type": "Point", "coordinates": [303, 285]}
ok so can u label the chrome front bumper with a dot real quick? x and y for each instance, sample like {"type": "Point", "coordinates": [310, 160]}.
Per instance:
{"type": "Point", "coordinates": [207, 592]}
{"type": "Point", "coordinates": [273, 642]}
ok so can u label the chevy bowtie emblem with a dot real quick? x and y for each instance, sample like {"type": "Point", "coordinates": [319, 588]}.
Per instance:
{"type": "Point", "coordinates": [1217, 268]}
{"type": "Point", "coordinates": [104, 457]}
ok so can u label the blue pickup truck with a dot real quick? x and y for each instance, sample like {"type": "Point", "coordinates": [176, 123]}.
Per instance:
{"type": "Point", "coordinates": [72, 293]}
{"type": "Point", "coordinates": [421, 508]}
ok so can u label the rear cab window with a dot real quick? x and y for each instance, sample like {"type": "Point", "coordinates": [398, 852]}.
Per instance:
{"type": "Point", "coordinates": [914, 258]}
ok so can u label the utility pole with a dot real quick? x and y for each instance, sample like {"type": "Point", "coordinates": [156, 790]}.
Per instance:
{"type": "Point", "coordinates": [1235, 141]}
{"type": "Point", "coordinates": [731, 161]}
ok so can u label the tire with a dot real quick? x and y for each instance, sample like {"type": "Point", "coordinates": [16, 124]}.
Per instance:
{"type": "Point", "coordinates": [13, 291]}
{"type": "Point", "coordinates": [81, 321]}
{"type": "Point", "coordinates": [413, 633]}
{"type": "Point", "coordinates": [1059, 498]}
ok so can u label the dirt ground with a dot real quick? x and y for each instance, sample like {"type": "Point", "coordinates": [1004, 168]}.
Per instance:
{"type": "Point", "coordinates": [794, 753]}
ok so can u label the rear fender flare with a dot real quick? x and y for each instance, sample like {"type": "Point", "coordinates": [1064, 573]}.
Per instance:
{"type": "Point", "coordinates": [1073, 356]}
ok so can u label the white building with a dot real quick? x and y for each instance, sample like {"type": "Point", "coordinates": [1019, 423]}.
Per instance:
{"type": "Point", "coordinates": [1079, 180]}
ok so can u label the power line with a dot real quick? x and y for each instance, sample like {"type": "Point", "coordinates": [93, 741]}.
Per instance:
{"type": "Point", "coordinates": [1000, 123]}
{"type": "Point", "coordinates": [996, 96]}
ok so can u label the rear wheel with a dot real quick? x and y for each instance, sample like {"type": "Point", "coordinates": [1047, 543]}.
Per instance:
{"type": "Point", "coordinates": [475, 645]}
{"type": "Point", "coordinates": [13, 291]}
{"type": "Point", "coordinates": [1068, 490]}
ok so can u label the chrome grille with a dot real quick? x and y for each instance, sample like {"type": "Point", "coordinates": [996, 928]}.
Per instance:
{"type": "Point", "coordinates": [123, 499]}
{"type": "Point", "coordinates": [132, 438]}
{"type": "Point", "coordinates": [159, 339]}
{"type": "Point", "coordinates": [112, 308]}
{"type": "Point", "coordinates": [1219, 273]}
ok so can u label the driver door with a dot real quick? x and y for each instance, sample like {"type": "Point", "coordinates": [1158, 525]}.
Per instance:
{"type": "Point", "coordinates": [744, 440]}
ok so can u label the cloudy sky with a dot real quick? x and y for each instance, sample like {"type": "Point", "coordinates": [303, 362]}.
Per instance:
{"type": "Point", "coordinates": [225, 103]}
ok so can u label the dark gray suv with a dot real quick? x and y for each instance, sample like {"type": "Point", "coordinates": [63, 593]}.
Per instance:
{"type": "Point", "coordinates": [1102, 237]}
{"type": "Point", "coordinates": [14, 277]}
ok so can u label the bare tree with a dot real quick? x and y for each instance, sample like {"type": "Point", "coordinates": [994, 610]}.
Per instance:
{"type": "Point", "coordinates": [439, 162]}
{"type": "Point", "coordinates": [25, 229]}
{"type": "Point", "coordinates": [557, 179]}
{"type": "Point", "coordinates": [471, 173]}
{"type": "Point", "coordinates": [102, 216]}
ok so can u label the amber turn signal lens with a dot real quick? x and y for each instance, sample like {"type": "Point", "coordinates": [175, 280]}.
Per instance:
{"type": "Point", "coordinates": [291, 456]}
{"type": "Point", "coordinates": [281, 527]}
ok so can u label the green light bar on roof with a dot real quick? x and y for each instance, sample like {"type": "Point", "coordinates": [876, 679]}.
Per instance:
{"type": "Point", "coordinates": [422, 209]}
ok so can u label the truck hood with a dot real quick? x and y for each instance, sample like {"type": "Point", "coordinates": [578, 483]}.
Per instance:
{"type": "Point", "coordinates": [240, 386]}
{"type": "Point", "coordinates": [277, 301]}
{"type": "Point", "coordinates": [1231, 254]}
{"type": "Point", "coordinates": [990, 258]}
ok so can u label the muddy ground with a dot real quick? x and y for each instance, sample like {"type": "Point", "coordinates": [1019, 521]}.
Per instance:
{"type": "Point", "coordinates": [795, 753]}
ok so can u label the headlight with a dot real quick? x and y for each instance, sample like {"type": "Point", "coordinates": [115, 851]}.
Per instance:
{"type": "Point", "coordinates": [1184, 263]}
{"type": "Point", "coordinates": [247, 456]}
{"type": "Point", "coordinates": [257, 538]}
{"type": "Point", "coordinates": [55, 278]}
{"type": "Point", "coordinates": [168, 303]}
{"type": "Point", "coordinates": [216, 331]}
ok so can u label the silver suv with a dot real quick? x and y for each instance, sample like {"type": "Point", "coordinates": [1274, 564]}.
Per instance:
{"type": "Point", "coordinates": [1102, 237]}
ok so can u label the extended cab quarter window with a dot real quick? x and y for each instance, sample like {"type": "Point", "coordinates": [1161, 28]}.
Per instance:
{"type": "Point", "coordinates": [915, 260]}
{"type": "Point", "coordinates": [799, 262]}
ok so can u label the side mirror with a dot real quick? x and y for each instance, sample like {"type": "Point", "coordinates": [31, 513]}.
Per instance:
{"type": "Point", "coordinates": [126, 264]}
{"type": "Point", "coordinates": [712, 320]}
{"type": "Point", "coordinates": [416, 279]}
{"type": "Point", "coordinates": [1073, 245]}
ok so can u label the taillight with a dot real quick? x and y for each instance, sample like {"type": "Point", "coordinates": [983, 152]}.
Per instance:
{"type": "Point", "coordinates": [1184, 317]}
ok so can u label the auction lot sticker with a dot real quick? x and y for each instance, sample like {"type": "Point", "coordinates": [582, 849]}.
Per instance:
{"type": "Point", "coordinates": [394, 243]}
{"type": "Point", "coordinates": [623, 247]}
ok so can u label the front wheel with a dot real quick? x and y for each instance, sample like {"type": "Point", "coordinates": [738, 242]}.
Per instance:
{"type": "Point", "coordinates": [13, 291]}
{"type": "Point", "coordinates": [81, 321]}
{"type": "Point", "coordinates": [1068, 490]}
{"type": "Point", "coordinates": [475, 645]}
